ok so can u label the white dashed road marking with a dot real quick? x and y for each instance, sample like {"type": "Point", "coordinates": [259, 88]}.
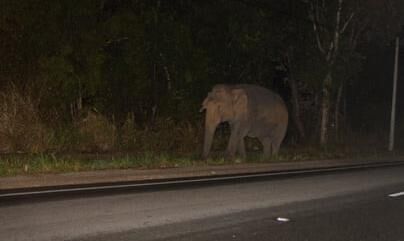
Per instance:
{"type": "Point", "coordinates": [396, 194]}
{"type": "Point", "coordinates": [280, 219]}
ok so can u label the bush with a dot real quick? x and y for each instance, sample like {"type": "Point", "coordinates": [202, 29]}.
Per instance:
{"type": "Point", "coordinates": [164, 136]}
{"type": "Point", "coordinates": [95, 133]}
{"type": "Point", "coordinates": [172, 137]}
{"type": "Point", "coordinates": [21, 128]}
{"type": "Point", "coordinates": [129, 133]}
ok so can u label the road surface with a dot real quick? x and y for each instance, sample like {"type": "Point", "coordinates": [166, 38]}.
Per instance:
{"type": "Point", "coordinates": [353, 205]}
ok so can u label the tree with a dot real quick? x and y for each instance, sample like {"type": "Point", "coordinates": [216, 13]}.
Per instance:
{"type": "Point", "coordinates": [339, 26]}
{"type": "Point", "coordinates": [322, 14]}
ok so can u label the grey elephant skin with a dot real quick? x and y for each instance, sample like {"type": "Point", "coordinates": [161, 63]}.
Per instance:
{"type": "Point", "coordinates": [250, 110]}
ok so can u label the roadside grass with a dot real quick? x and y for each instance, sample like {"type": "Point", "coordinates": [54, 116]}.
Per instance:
{"type": "Point", "coordinates": [12, 165]}
{"type": "Point", "coordinates": [34, 164]}
{"type": "Point", "coordinates": [20, 164]}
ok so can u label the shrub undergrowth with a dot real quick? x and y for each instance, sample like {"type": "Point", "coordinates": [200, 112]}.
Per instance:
{"type": "Point", "coordinates": [49, 147]}
{"type": "Point", "coordinates": [21, 128]}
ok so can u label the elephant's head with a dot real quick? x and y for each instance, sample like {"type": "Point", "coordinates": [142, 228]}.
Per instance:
{"type": "Point", "coordinates": [223, 103]}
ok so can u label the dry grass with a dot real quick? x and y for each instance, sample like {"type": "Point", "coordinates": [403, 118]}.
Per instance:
{"type": "Point", "coordinates": [129, 133]}
{"type": "Point", "coordinates": [164, 136]}
{"type": "Point", "coordinates": [21, 128]}
{"type": "Point", "coordinates": [95, 133]}
{"type": "Point", "coordinates": [168, 136]}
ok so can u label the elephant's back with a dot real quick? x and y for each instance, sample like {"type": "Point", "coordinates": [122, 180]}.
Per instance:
{"type": "Point", "coordinates": [267, 108]}
{"type": "Point", "coordinates": [264, 98]}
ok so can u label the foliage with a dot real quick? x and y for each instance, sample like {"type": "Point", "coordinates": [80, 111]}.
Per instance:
{"type": "Point", "coordinates": [156, 60]}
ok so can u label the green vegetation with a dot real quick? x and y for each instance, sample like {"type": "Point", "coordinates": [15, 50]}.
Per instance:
{"type": "Point", "coordinates": [48, 163]}
{"type": "Point", "coordinates": [126, 78]}
{"type": "Point", "coordinates": [31, 164]}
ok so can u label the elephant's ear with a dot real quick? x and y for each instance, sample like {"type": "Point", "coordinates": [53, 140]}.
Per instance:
{"type": "Point", "coordinates": [205, 102]}
{"type": "Point", "coordinates": [240, 103]}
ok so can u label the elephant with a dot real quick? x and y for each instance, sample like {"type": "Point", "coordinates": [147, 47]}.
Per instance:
{"type": "Point", "coordinates": [250, 110]}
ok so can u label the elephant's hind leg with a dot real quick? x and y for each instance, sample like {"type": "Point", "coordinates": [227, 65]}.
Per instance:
{"type": "Point", "coordinates": [277, 139]}
{"type": "Point", "coordinates": [276, 144]}
{"type": "Point", "coordinates": [267, 147]}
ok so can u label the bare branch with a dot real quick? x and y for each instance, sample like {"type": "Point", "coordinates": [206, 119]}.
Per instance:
{"type": "Point", "coordinates": [314, 19]}
{"type": "Point", "coordinates": [361, 30]}
{"type": "Point", "coordinates": [347, 23]}
{"type": "Point", "coordinates": [334, 44]}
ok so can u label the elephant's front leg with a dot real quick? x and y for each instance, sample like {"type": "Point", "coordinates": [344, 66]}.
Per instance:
{"type": "Point", "coordinates": [241, 148]}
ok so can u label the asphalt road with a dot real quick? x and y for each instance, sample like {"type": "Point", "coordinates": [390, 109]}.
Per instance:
{"type": "Point", "coordinates": [350, 205]}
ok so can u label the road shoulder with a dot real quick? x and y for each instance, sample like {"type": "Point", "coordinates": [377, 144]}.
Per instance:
{"type": "Point", "coordinates": [152, 175]}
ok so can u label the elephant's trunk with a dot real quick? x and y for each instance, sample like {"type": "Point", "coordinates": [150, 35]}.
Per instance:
{"type": "Point", "coordinates": [211, 122]}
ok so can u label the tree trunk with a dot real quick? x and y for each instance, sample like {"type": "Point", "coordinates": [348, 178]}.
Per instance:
{"type": "Point", "coordinates": [296, 108]}
{"type": "Point", "coordinates": [325, 110]}
{"type": "Point", "coordinates": [296, 117]}
{"type": "Point", "coordinates": [337, 111]}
